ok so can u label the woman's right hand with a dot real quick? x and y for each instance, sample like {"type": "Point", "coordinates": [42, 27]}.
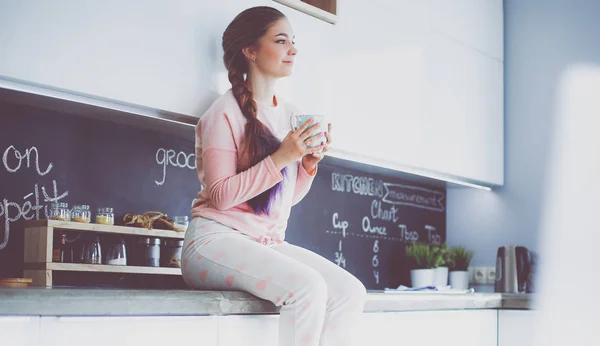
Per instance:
{"type": "Point", "coordinates": [296, 144]}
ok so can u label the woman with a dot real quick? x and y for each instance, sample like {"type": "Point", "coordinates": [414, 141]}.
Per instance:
{"type": "Point", "coordinates": [254, 169]}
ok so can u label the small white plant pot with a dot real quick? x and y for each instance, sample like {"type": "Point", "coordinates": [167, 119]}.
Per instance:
{"type": "Point", "coordinates": [421, 277]}
{"type": "Point", "coordinates": [459, 280]}
{"type": "Point", "coordinates": [440, 277]}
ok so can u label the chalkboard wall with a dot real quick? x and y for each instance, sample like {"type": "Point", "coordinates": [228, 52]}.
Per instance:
{"type": "Point", "coordinates": [358, 216]}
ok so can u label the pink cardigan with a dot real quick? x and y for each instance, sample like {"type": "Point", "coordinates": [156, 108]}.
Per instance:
{"type": "Point", "coordinates": [219, 135]}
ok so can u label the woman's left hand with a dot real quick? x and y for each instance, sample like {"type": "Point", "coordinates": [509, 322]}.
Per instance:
{"type": "Point", "coordinates": [310, 161]}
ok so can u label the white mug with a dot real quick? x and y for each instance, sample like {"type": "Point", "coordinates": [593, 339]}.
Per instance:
{"type": "Point", "coordinates": [298, 120]}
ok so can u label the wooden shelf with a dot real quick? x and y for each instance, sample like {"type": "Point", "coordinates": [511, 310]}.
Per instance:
{"type": "Point", "coordinates": [106, 268]}
{"type": "Point", "coordinates": [39, 236]}
{"type": "Point", "coordinates": [93, 227]}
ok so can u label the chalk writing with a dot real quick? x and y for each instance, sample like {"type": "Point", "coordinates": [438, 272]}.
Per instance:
{"type": "Point", "coordinates": [170, 157]}
{"type": "Point", "coordinates": [15, 166]}
{"type": "Point", "coordinates": [13, 160]}
{"type": "Point", "coordinates": [340, 260]}
{"type": "Point", "coordinates": [408, 236]}
{"type": "Point", "coordinates": [375, 261]}
{"type": "Point", "coordinates": [357, 185]}
{"type": "Point", "coordinates": [367, 228]}
{"type": "Point", "coordinates": [433, 237]}
{"type": "Point", "coordinates": [377, 212]}
{"type": "Point", "coordinates": [413, 196]}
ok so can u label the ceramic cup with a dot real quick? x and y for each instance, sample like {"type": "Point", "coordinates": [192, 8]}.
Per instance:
{"type": "Point", "coordinates": [298, 120]}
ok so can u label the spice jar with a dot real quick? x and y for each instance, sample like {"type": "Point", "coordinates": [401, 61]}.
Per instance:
{"type": "Point", "coordinates": [171, 253]}
{"type": "Point", "coordinates": [81, 213]}
{"type": "Point", "coordinates": [105, 216]}
{"type": "Point", "coordinates": [59, 211]}
{"type": "Point", "coordinates": [181, 223]}
{"type": "Point", "coordinates": [150, 254]}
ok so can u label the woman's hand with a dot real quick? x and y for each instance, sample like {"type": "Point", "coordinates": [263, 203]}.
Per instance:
{"type": "Point", "coordinates": [310, 161]}
{"type": "Point", "coordinates": [296, 145]}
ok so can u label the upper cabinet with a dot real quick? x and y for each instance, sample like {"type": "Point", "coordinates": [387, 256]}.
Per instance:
{"type": "Point", "coordinates": [477, 24]}
{"type": "Point", "coordinates": [463, 112]}
{"type": "Point", "coordinates": [412, 85]}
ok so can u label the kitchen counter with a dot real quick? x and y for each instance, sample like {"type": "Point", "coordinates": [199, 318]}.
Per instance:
{"type": "Point", "coordinates": [120, 302]}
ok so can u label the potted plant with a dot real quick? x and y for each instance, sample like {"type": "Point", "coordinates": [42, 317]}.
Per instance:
{"type": "Point", "coordinates": [459, 260]}
{"type": "Point", "coordinates": [422, 260]}
{"type": "Point", "coordinates": [440, 276]}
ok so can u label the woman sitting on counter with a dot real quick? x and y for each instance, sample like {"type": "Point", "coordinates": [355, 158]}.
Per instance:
{"type": "Point", "coordinates": [254, 169]}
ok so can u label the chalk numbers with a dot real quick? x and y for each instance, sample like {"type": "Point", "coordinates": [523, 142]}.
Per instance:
{"type": "Point", "coordinates": [375, 261]}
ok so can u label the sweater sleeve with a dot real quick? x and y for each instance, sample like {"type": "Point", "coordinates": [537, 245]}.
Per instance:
{"type": "Point", "coordinates": [303, 183]}
{"type": "Point", "coordinates": [228, 188]}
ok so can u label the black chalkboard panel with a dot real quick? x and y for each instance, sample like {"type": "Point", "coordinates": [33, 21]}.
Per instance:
{"type": "Point", "coordinates": [356, 215]}
{"type": "Point", "coordinates": [362, 220]}
{"type": "Point", "coordinates": [49, 156]}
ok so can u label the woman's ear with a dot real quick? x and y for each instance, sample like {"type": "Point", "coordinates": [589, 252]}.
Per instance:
{"type": "Point", "coordinates": [250, 53]}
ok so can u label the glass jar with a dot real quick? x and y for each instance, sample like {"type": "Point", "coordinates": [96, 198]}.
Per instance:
{"type": "Point", "coordinates": [105, 216]}
{"type": "Point", "coordinates": [116, 253]}
{"type": "Point", "coordinates": [59, 211]}
{"type": "Point", "coordinates": [92, 251]}
{"type": "Point", "coordinates": [181, 223]}
{"type": "Point", "coordinates": [171, 253]}
{"type": "Point", "coordinates": [81, 213]}
{"type": "Point", "coordinates": [150, 252]}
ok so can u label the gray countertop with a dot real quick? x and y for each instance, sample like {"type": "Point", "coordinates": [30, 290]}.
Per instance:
{"type": "Point", "coordinates": [119, 302]}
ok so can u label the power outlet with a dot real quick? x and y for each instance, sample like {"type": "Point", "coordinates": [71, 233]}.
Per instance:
{"type": "Point", "coordinates": [478, 275]}
{"type": "Point", "coordinates": [491, 275]}
{"type": "Point", "coordinates": [482, 275]}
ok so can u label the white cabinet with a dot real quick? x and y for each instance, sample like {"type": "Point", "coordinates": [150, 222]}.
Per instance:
{"type": "Point", "coordinates": [426, 328]}
{"type": "Point", "coordinates": [463, 112]}
{"type": "Point", "coordinates": [248, 330]}
{"type": "Point", "coordinates": [19, 331]}
{"type": "Point", "coordinates": [478, 24]}
{"type": "Point", "coordinates": [126, 331]}
{"type": "Point", "coordinates": [430, 328]}
{"type": "Point", "coordinates": [516, 328]}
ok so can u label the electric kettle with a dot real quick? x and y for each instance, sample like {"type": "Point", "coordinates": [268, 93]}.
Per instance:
{"type": "Point", "coordinates": [513, 266]}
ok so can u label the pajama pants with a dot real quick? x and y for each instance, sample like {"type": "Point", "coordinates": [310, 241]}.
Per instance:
{"type": "Point", "coordinates": [320, 302]}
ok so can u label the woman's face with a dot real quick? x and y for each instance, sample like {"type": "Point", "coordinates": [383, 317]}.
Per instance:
{"type": "Point", "coordinates": [275, 51]}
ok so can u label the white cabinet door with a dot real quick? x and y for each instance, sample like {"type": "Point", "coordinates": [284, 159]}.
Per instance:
{"type": "Point", "coordinates": [248, 330]}
{"type": "Point", "coordinates": [430, 328]}
{"type": "Point", "coordinates": [478, 24]}
{"type": "Point", "coordinates": [376, 71]}
{"type": "Point", "coordinates": [463, 112]}
{"type": "Point", "coordinates": [516, 328]}
{"type": "Point", "coordinates": [126, 331]}
{"type": "Point", "coordinates": [19, 331]}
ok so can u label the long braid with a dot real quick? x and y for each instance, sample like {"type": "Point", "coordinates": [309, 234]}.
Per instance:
{"type": "Point", "coordinates": [258, 141]}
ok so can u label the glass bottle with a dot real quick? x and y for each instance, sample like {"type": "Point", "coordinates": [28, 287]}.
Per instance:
{"type": "Point", "coordinates": [61, 251]}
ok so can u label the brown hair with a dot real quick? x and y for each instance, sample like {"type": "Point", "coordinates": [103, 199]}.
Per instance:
{"type": "Point", "coordinates": [244, 31]}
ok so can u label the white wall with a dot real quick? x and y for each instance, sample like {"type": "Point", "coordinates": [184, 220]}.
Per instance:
{"type": "Point", "coordinates": [429, 69]}
{"type": "Point", "coordinates": [543, 41]}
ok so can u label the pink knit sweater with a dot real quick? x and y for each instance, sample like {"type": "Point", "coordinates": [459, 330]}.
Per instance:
{"type": "Point", "coordinates": [219, 136]}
